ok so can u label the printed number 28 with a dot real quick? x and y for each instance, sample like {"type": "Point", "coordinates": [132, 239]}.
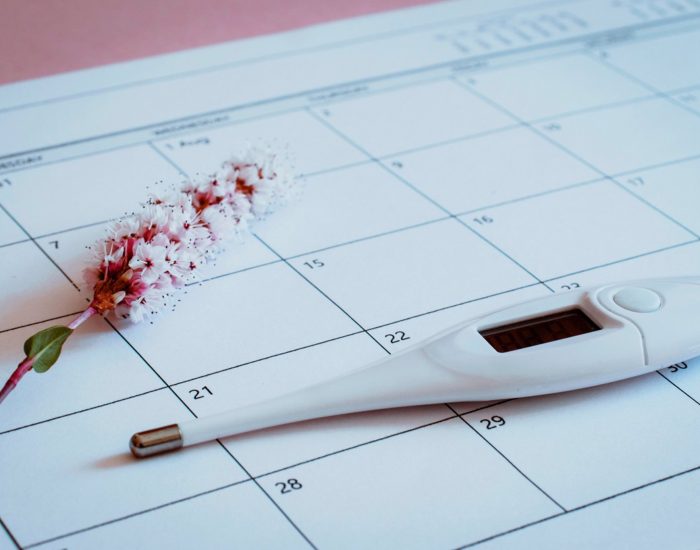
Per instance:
{"type": "Point", "coordinates": [288, 486]}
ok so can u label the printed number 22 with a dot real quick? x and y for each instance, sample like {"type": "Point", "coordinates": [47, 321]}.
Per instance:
{"type": "Point", "coordinates": [396, 337]}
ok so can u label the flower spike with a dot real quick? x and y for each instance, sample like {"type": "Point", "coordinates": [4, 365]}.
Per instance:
{"type": "Point", "coordinates": [148, 256]}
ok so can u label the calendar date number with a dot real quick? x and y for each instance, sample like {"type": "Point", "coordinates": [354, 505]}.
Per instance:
{"type": "Point", "coordinates": [493, 422]}
{"type": "Point", "coordinates": [288, 486]}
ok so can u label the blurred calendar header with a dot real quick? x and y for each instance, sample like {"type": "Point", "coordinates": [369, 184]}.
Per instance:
{"type": "Point", "coordinates": [116, 105]}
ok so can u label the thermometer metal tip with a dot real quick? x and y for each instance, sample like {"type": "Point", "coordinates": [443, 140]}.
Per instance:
{"type": "Point", "coordinates": [561, 342]}
{"type": "Point", "coordinates": [156, 441]}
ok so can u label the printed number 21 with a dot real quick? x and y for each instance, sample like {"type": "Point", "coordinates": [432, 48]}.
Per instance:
{"type": "Point", "coordinates": [201, 393]}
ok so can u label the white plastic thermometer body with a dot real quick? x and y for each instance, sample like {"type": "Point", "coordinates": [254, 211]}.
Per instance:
{"type": "Point", "coordinates": [577, 339]}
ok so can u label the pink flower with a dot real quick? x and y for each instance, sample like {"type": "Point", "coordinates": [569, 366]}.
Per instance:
{"type": "Point", "coordinates": [151, 254]}
{"type": "Point", "coordinates": [149, 259]}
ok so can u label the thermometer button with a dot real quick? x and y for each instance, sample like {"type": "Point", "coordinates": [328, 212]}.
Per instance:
{"type": "Point", "coordinates": [639, 300]}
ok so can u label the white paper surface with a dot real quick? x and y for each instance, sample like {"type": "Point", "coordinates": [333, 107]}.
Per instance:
{"type": "Point", "coordinates": [459, 157]}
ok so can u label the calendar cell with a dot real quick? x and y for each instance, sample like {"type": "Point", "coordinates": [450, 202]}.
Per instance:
{"type": "Point", "coordinates": [72, 487]}
{"type": "Point", "coordinates": [274, 449]}
{"type": "Point", "coordinates": [628, 137]}
{"type": "Point", "coordinates": [245, 520]}
{"type": "Point", "coordinates": [39, 290]}
{"type": "Point", "coordinates": [600, 221]}
{"type": "Point", "coordinates": [674, 189]}
{"type": "Point", "coordinates": [429, 501]}
{"type": "Point", "coordinates": [688, 98]}
{"type": "Point", "coordinates": [554, 86]}
{"type": "Point", "coordinates": [86, 190]}
{"type": "Point", "coordinates": [389, 278]}
{"type": "Point", "coordinates": [666, 63]}
{"type": "Point", "coordinates": [332, 203]}
{"type": "Point", "coordinates": [311, 146]}
{"type": "Point", "coordinates": [587, 445]}
{"type": "Point", "coordinates": [95, 367]}
{"type": "Point", "coordinates": [268, 378]}
{"type": "Point", "coordinates": [407, 118]}
{"type": "Point", "coordinates": [462, 176]}
{"type": "Point", "coordinates": [670, 526]}
{"type": "Point", "coordinates": [284, 313]}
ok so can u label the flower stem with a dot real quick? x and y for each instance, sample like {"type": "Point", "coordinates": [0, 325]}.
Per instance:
{"type": "Point", "coordinates": [26, 365]}
{"type": "Point", "coordinates": [22, 369]}
{"type": "Point", "coordinates": [80, 319]}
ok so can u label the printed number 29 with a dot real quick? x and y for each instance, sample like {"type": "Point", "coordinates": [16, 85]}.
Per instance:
{"type": "Point", "coordinates": [493, 422]}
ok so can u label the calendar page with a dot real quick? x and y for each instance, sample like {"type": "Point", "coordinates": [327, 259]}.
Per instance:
{"type": "Point", "coordinates": [457, 158]}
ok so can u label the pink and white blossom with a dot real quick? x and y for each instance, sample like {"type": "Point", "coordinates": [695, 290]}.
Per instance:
{"type": "Point", "coordinates": [150, 254]}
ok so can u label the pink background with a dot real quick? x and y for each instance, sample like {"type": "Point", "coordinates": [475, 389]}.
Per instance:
{"type": "Point", "coordinates": [45, 37]}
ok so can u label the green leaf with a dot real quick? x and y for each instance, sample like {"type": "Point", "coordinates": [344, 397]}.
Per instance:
{"type": "Point", "coordinates": [45, 346]}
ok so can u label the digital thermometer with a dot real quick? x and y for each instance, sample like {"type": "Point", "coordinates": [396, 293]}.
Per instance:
{"type": "Point", "coordinates": [562, 342]}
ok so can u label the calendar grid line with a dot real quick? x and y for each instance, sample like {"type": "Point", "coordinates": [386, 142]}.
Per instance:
{"type": "Point", "coordinates": [9, 534]}
{"type": "Point", "coordinates": [74, 228]}
{"type": "Point", "coordinates": [39, 322]}
{"type": "Point", "coordinates": [583, 39]}
{"type": "Point", "coordinates": [508, 460]}
{"type": "Point", "coordinates": [86, 409]}
{"type": "Point", "coordinates": [357, 446]}
{"type": "Point", "coordinates": [369, 237]}
{"type": "Point", "coordinates": [260, 359]}
{"type": "Point", "coordinates": [645, 84]}
{"type": "Point", "coordinates": [662, 375]}
{"type": "Point", "coordinates": [423, 194]}
{"type": "Point", "coordinates": [568, 187]}
{"type": "Point", "coordinates": [626, 259]}
{"type": "Point", "coordinates": [232, 273]}
{"type": "Point", "coordinates": [458, 304]}
{"type": "Point", "coordinates": [582, 507]}
{"type": "Point", "coordinates": [21, 241]}
{"type": "Point", "coordinates": [148, 364]}
{"type": "Point", "coordinates": [139, 513]}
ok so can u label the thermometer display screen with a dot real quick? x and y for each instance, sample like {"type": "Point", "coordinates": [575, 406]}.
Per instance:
{"type": "Point", "coordinates": [539, 330]}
